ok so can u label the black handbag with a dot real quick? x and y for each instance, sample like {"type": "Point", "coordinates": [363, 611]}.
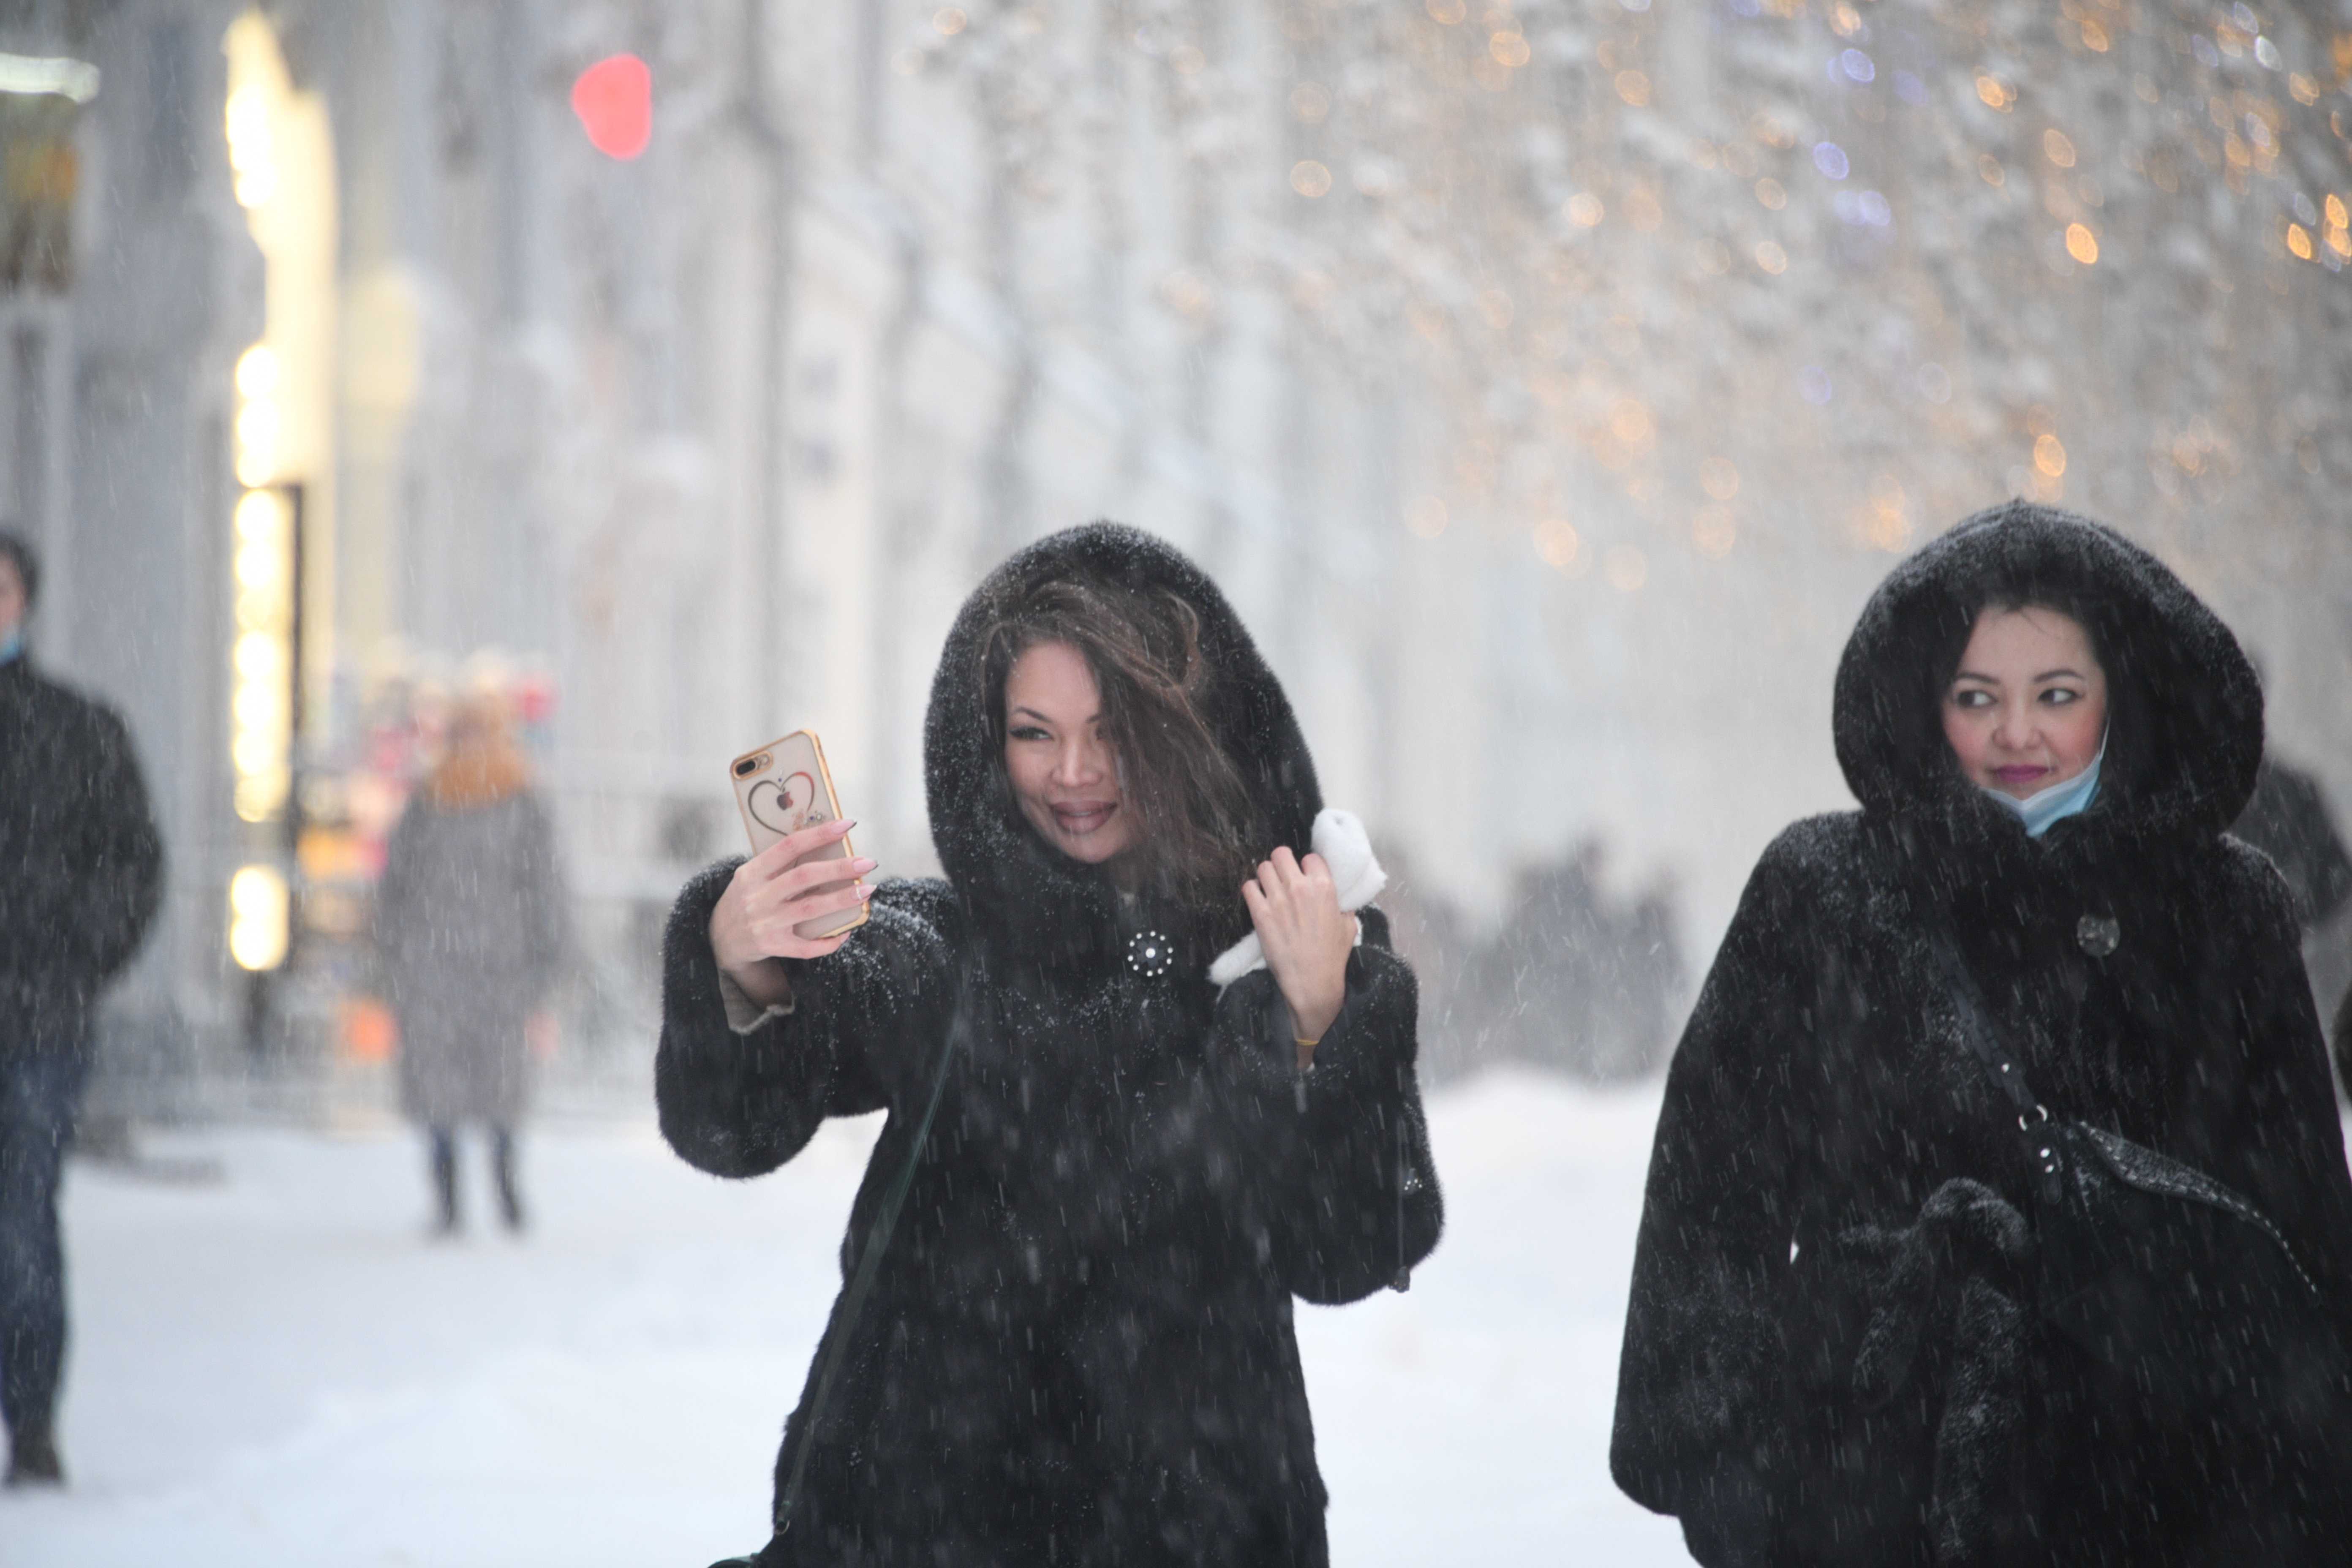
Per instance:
{"type": "Point", "coordinates": [2190, 1304]}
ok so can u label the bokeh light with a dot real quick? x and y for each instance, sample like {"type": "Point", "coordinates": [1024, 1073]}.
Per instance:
{"type": "Point", "coordinates": [614, 101]}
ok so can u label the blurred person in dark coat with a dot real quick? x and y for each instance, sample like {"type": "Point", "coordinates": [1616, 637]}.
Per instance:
{"type": "Point", "coordinates": [2288, 820]}
{"type": "Point", "coordinates": [80, 870]}
{"type": "Point", "coordinates": [469, 926]}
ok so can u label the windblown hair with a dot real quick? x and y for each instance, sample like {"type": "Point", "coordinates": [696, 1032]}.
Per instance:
{"type": "Point", "coordinates": [1200, 829]}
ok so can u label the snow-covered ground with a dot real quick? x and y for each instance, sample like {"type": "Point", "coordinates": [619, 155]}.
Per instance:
{"type": "Point", "coordinates": [277, 1368]}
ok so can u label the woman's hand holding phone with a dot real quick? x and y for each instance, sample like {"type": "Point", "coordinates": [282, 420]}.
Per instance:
{"type": "Point", "coordinates": [1306, 938]}
{"type": "Point", "coordinates": [769, 894]}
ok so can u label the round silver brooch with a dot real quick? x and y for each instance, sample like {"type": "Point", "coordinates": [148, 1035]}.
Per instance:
{"type": "Point", "coordinates": [2098, 935]}
{"type": "Point", "coordinates": [1150, 954]}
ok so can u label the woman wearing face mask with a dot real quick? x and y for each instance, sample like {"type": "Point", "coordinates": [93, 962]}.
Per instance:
{"type": "Point", "coordinates": [1845, 1344]}
{"type": "Point", "coordinates": [1075, 1346]}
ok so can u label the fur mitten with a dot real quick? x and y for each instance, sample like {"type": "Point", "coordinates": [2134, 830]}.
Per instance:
{"type": "Point", "coordinates": [1956, 1274]}
{"type": "Point", "coordinates": [1965, 1229]}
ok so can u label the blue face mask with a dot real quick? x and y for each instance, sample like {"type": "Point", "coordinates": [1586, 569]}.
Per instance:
{"type": "Point", "coordinates": [2059, 801]}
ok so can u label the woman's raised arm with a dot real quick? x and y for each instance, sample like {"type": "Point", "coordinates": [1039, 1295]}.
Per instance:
{"type": "Point", "coordinates": [740, 1090]}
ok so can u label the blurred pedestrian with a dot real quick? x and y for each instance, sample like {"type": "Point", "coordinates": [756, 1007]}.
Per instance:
{"type": "Point", "coordinates": [81, 871]}
{"type": "Point", "coordinates": [470, 928]}
{"type": "Point", "coordinates": [1575, 980]}
{"type": "Point", "coordinates": [2287, 819]}
{"type": "Point", "coordinates": [1997, 1212]}
{"type": "Point", "coordinates": [1148, 1081]}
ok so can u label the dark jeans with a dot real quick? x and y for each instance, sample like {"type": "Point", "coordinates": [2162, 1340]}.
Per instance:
{"type": "Point", "coordinates": [38, 1092]}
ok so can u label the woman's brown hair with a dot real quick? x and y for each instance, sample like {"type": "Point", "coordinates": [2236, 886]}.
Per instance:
{"type": "Point", "coordinates": [1200, 825]}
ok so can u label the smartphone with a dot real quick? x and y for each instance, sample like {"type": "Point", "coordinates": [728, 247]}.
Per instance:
{"type": "Point", "coordinates": [782, 788]}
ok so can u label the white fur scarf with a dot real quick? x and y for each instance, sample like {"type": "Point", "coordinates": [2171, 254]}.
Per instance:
{"type": "Point", "coordinates": [1347, 848]}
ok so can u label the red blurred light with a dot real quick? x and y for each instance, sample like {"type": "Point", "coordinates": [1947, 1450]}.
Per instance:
{"type": "Point", "coordinates": [615, 100]}
{"type": "Point", "coordinates": [534, 698]}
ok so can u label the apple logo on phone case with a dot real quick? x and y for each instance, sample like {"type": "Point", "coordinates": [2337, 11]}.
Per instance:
{"type": "Point", "coordinates": [782, 806]}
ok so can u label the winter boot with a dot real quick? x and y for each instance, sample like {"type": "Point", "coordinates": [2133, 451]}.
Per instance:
{"type": "Point", "coordinates": [502, 1168]}
{"type": "Point", "coordinates": [33, 1458]}
{"type": "Point", "coordinates": [444, 1180]}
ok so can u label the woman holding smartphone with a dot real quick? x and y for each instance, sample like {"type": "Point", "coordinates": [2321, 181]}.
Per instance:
{"type": "Point", "coordinates": [1868, 1325]}
{"type": "Point", "coordinates": [1076, 1347]}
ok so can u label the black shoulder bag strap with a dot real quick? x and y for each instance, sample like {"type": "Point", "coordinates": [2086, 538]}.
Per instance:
{"type": "Point", "coordinates": [869, 1260]}
{"type": "Point", "coordinates": [1983, 1036]}
{"type": "Point", "coordinates": [2145, 1169]}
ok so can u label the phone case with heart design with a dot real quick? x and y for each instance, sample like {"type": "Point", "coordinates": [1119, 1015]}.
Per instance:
{"type": "Point", "coordinates": [782, 787]}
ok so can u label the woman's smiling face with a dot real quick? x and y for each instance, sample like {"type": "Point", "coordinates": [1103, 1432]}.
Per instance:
{"type": "Point", "coordinates": [1064, 774]}
{"type": "Point", "coordinates": [2028, 707]}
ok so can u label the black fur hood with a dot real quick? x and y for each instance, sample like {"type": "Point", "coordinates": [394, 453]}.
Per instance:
{"type": "Point", "coordinates": [1022, 896]}
{"type": "Point", "coordinates": [2185, 727]}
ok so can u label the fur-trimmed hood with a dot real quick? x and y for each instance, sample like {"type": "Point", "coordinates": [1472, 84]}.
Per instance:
{"type": "Point", "coordinates": [1024, 896]}
{"type": "Point", "coordinates": [2185, 728]}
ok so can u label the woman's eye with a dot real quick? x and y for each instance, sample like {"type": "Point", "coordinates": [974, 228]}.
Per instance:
{"type": "Point", "coordinates": [1971, 697]}
{"type": "Point", "coordinates": [2058, 696]}
{"type": "Point", "coordinates": [1030, 732]}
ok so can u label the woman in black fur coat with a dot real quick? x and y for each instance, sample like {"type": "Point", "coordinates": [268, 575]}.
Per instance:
{"type": "Point", "coordinates": [1079, 1347]}
{"type": "Point", "coordinates": [1833, 1351]}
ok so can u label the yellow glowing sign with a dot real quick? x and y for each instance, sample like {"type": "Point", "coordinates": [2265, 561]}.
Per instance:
{"type": "Point", "coordinates": [250, 153]}
{"type": "Point", "coordinates": [256, 371]}
{"type": "Point", "coordinates": [257, 909]}
{"type": "Point", "coordinates": [281, 157]}
{"type": "Point", "coordinates": [261, 704]}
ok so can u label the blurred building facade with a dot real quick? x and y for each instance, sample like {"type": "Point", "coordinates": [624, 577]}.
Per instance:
{"type": "Point", "coordinates": [1548, 382]}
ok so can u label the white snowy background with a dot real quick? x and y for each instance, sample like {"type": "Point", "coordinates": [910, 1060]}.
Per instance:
{"type": "Point", "coordinates": [275, 1369]}
{"type": "Point", "coordinates": [1548, 381]}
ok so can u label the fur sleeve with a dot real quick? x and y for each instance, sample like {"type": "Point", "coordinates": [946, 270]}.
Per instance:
{"type": "Point", "coordinates": [1700, 1379]}
{"type": "Point", "coordinates": [740, 1105]}
{"type": "Point", "coordinates": [1350, 1191]}
{"type": "Point", "coordinates": [2267, 1122]}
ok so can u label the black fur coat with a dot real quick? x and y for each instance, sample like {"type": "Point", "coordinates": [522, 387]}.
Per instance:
{"type": "Point", "coordinates": [1079, 1346]}
{"type": "Point", "coordinates": [1832, 1352]}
